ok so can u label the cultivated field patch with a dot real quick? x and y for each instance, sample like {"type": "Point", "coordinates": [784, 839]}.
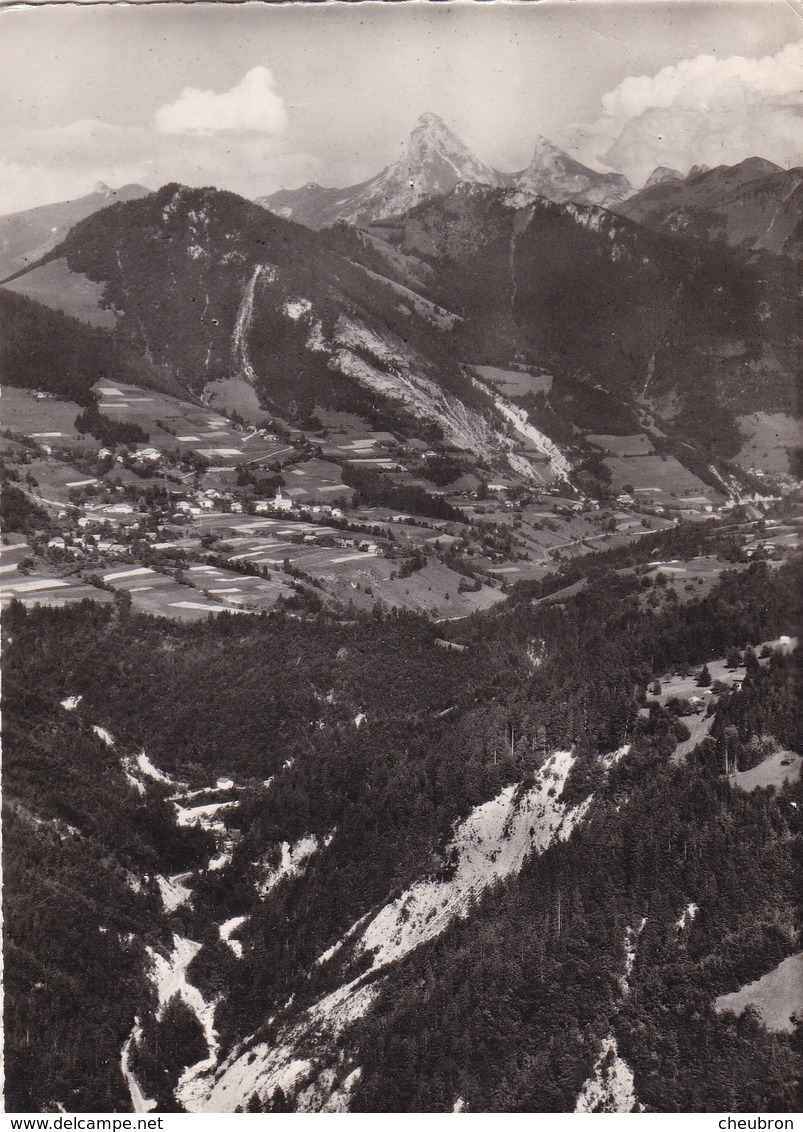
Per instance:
{"type": "Point", "coordinates": [160, 594]}
{"type": "Point", "coordinates": [47, 420]}
{"type": "Point", "coordinates": [662, 478]}
{"type": "Point", "coordinates": [185, 427]}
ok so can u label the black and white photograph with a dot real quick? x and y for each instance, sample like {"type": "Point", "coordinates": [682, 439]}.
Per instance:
{"type": "Point", "coordinates": [402, 485]}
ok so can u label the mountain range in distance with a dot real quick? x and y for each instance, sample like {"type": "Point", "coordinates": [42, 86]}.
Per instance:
{"type": "Point", "coordinates": [438, 265]}
{"type": "Point", "coordinates": [755, 205]}
{"type": "Point", "coordinates": [434, 160]}
{"type": "Point", "coordinates": [27, 236]}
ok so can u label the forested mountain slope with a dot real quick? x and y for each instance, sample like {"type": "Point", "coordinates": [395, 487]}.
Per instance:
{"type": "Point", "coordinates": [716, 332]}
{"type": "Point", "coordinates": [330, 780]}
{"type": "Point", "coordinates": [207, 286]}
{"type": "Point", "coordinates": [754, 205]}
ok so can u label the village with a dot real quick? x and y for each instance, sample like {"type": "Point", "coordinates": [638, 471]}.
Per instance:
{"type": "Point", "coordinates": [206, 511]}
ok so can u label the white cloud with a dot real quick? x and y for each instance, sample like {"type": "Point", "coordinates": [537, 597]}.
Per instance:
{"type": "Point", "coordinates": [704, 110]}
{"type": "Point", "coordinates": [235, 140]}
{"type": "Point", "coordinates": [40, 166]}
{"type": "Point", "coordinates": [251, 106]}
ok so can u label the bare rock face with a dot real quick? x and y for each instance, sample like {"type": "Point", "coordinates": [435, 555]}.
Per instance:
{"type": "Point", "coordinates": [661, 175]}
{"type": "Point", "coordinates": [557, 176]}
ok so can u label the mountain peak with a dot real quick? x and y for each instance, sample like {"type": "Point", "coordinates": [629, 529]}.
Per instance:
{"type": "Point", "coordinates": [662, 174]}
{"type": "Point", "coordinates": [544, 149]}
{"type": "Point", "coordinates": [433, 160]}
{"type": "Point", "coordinates": [431, 136]}
{"type": "Point", "coordinates": [429, 121]}
{"type": "Point", "coordinates": [758, 165]}
{"type": "Point", "coordinates": [553, 174]}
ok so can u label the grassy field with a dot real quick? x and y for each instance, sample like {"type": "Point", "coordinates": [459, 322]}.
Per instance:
{"type": "Point", "coordinates": [637, 445]}
{"type": "Point", "coordinates": [235, 395]}
{"type": "Point", "coordinates": [513, 383]}
{"type": "Point", "coordinates": [663, 477]}
{"type": "Point", "coordinates": [686, 688]}
{"type": "Point", "coordinates": [783, 766]}
{"type": "Point", "coordinates": [152, 592]}
{"type": "Point", "coordinates": [777, 996]}
{"type": "Point", "coordinates": [187, 427]}
{"type": "Point", "coordinates": [56, 479]}
{"type": "Point", "coordinates": [319, 480]}
{"type": "Point", "coordinates": [694, 577]}
{"type": "Point", "coordinates": [247, 591]}
{"type": "Point", "coordinates": [55, 286]}
{"type": "Point", "coordinates": [769, 438]}
{"type": "Point", "coordinates": [37, 588]}
{"type": "Point", "coordinates": [50, 591]}
{"type": "Point", "coordinates": [433, 589]}
{"type": "Point", "coordinates": [48, 421]}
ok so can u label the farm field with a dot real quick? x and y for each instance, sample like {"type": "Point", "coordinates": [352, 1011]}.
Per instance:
{"type": "Point", "coordinates": [49, 591]}
{"type": "Point", "coordinates": [362, 577]}
{"type": "Point", "coordinates": [13, 549]}
{"type": "Point", "coordinates": [319, 480]}
{"type": "Point", "coordinates": [38, 589]}
{"type": "Point", "coordinates": [691, 578]}
{"type": "Point", "coordinates": [770, 436]}
{"type": "Point", "coordinates": [248, 591]}
{"type": "Point", "coordinates": [186, 427]}
{"type": "Point", "coordinates": [434, 589]}
{"type": "Point", "coordinates": [782, 538]}
{"type": "Point", "coordinates": [663, 478]}
{"type": "Point", "coordinates": [160, 594]}
{"type": "Point", "coordinates": [55, 480]}
{"type": "Point", "coordinates": [515, 571]}
{"type": "Point", "coordinates": [48, 421]}
{"type": "Point", "coordinates": [244, 526]}
{"type": "Point", "coordinates": [234, 395]}
{"type": "Point", "coordinates": [686, 687]}
{"type": "Point", "coordinates": [638, 444]}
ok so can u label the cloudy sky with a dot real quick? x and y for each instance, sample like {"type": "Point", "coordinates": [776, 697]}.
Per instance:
{"type": "Point", "coordinates": [255, 97]}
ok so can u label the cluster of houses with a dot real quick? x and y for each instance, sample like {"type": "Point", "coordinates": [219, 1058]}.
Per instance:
{"type": "Point", "coordinates": [107, 526]}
